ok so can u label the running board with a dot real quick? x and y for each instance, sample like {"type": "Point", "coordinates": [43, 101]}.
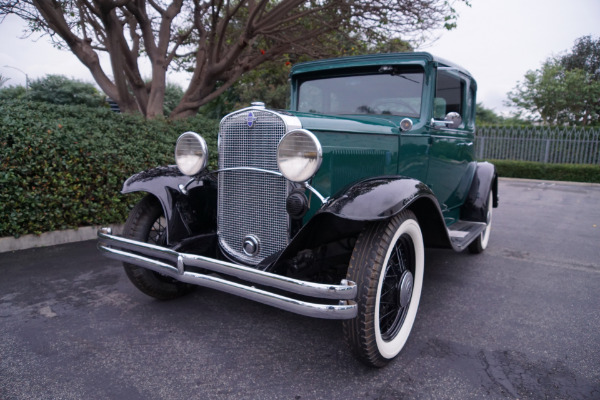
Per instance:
{"type": "Point", "coordinates": [462, 233]}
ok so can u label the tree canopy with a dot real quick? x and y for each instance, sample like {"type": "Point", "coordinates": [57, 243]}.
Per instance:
{"type": "Point", "coordinates": [216, 41]}
{"type": "Point", "coordinates": [486, 116]}
{"type": "Point", "coordinates": [565, 90]}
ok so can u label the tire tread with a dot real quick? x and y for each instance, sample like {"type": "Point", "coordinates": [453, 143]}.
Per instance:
{"type": "Point", "coordinates": [138, 224]}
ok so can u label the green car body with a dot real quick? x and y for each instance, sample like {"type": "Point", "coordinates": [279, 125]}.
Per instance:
{"type": "Point", "coordinates": [334, 199]}
{"type": "Point", "coordinates": [366, 146]}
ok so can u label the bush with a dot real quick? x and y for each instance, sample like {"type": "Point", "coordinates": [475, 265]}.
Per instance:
{"type": "Point", "coordinates": [12, 93]}
{"type": "Point", "coordinates": [58, 89]}
{"type": "Point", "coordinates": [173, 95]}
{"type": "Point", "coordinates": [64, 166]}
{"type": "Point", "coordinates": [554, 172]}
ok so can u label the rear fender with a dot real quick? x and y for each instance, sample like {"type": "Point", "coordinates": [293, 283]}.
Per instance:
{"type": "Point", "coordinates": [166, 183]}
{"type": "Point", "coordinates": [476, 203]}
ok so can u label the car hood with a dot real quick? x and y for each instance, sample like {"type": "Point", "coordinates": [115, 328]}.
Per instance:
{"type": "Point", "coordinates": [349, 123]}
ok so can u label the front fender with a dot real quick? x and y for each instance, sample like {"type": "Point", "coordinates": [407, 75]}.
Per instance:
{"type": "Point", "coordinates": [376, 198]}
{"type": "Point", "coordinates": [347, 213]}
{"type": "Point", "coordinates": [164, 183]}
{"type": "Point", "coordinates": [154, 178]}
{"type": "Point", "coordinates": [381, 198]}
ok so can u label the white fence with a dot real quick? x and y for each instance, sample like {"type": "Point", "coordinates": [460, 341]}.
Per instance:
{"type": "Point", "coordinates": [558, 145]}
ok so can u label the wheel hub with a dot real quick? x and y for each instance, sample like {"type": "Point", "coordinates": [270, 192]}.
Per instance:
{"type": "Point", "coordinates": [406, 288]}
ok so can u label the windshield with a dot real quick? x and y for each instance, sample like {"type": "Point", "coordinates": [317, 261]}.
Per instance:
{"type": "Point", "coordinates": [391, 92]}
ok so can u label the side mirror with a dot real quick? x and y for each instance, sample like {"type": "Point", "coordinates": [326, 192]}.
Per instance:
{"type": "Point", "coordinates": [453, 120]}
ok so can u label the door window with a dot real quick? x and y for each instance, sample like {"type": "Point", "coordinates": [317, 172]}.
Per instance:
{"type": "Point", "coordinates": [449, 95]}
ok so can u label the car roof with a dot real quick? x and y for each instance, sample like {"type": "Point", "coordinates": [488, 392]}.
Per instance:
{"type": "Point", "coordinates": [372, 60]}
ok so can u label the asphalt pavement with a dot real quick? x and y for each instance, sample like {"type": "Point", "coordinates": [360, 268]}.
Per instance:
{"type": "Point", "coordinates": [520, 321]}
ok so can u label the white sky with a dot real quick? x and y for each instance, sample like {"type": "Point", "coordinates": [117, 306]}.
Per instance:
{"type": "Point", "coordinates": [498, 41]}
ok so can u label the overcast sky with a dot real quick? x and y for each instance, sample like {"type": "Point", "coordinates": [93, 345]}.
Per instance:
{"type": "Point", "coordinates": [498, 41]}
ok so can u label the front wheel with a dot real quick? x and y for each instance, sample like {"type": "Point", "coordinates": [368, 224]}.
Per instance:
{"type": "Point", "coordinates": [387, 265]}
{"type": "Point", "coordinates": [146, 223]}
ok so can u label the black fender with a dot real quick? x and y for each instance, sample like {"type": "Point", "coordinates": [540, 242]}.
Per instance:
{"type": "Point", "coordinates": [475, 206]}
{"type": "Point", "coordinates": [375, 199]}
{"type": "Point", "coordinates": [381, 198]}
{"type": "Point", "coordinates": [188, 213]}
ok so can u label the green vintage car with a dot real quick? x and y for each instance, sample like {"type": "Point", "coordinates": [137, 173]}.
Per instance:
{"type": "Point", "coordinates": [324, 209]}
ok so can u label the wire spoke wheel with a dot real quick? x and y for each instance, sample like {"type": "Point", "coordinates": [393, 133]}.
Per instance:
{"type": "Point", "coordinates": [387, 266]}
{"type": "Point", "coordinates": [158, 231]}
{"type": "Point", "coordinates": [397, 288]}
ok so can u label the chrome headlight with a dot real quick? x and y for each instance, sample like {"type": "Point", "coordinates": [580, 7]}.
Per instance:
{"type": "Point", "coordinates": [191, 153]}
{"type": "Point", "coordinates": [299, 155]}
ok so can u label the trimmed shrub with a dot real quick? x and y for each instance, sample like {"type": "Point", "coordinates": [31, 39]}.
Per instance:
{"type": "Point", "coordinates": [553, 172]}
{"type": "Point", "coordinates": [58, 89]}
{"type": "Point", "coordinates": [64, 166]}
{"type": "Point", "coordinates": [12, 92]}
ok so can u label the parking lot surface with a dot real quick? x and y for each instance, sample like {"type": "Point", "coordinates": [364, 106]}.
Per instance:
{"type": "Point", "coordinates": [521, 320]}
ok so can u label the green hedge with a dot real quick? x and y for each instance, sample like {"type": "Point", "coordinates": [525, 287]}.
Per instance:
{"type": "Point", "coordinates": [553, 172]}
{"type": "Point", "coordinates": [64, 166]}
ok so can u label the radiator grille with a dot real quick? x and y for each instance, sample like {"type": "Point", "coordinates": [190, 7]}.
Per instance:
{"type": "Point", "coordinates": [251, 202]}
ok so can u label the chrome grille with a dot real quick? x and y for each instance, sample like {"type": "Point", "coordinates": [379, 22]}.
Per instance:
{"type": "Point", "coordinates": [251, 202]}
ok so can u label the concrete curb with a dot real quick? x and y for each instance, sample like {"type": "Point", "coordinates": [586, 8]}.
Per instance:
{"type": "Point", "coordinates": [52, 238]}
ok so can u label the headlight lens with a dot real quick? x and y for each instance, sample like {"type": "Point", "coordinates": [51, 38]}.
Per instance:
{"type": "Point", "coordinates": [191, 153]}
{"type": "Point", "coordinates": [299, 155]}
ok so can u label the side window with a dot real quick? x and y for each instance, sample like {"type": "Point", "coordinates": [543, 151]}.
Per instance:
{"type": "Point", "coordinates": [449, 95]}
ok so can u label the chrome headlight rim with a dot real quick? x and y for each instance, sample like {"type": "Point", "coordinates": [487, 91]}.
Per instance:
{"type": "Point", "coordinates": [191, 153]}
{"type": "Point", "coordinates": [309, 170]}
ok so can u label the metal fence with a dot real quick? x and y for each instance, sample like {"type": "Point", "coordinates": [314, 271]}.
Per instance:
{"type": "Point", "coordinates": [558, 145]}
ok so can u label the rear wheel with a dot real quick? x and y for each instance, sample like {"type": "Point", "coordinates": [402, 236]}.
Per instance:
{"type": "Point", "coordinates": [387, 265]}
{"type": "Point", "coordinates": [147, 223]}
{"type": "Point", "coordinates": [481, 243]}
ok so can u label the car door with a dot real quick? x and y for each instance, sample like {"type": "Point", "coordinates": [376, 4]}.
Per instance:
{"type": "Point", "coordinates": [451, 153]}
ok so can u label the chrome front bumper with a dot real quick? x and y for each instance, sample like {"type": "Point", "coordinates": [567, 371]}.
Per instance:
{"type": "Point", "coordinates": [173, 264]}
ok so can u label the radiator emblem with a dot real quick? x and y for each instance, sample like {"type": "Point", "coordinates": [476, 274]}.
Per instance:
{"type": "Point", "coordinates": [251, 119]}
